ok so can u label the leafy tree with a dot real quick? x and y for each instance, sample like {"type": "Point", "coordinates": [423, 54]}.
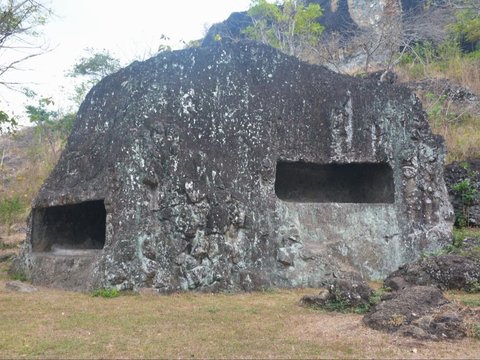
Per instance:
{"type": "Point", "coordinates": [91, 69]}
{"type": "Point", "coordinates": [387, 41]}
{"type": "Point", "coordinates": [467, 25]}
{"type": "Point", "coordinates": [288, 25]}
{"type": "Point", "coordinates": [7, 122]}
{"type": "Point", "coordinates": [51, 126]}
{"type": "Point", "coordinates": [96, 66]}
{"type": "Point", "coordinates": [20, 21]}
{"type": "Point", "coordinates": [10, 209]}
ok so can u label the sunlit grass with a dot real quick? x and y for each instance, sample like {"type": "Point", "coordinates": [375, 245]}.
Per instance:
{"type": "Point", "coordinates": [60, 324]}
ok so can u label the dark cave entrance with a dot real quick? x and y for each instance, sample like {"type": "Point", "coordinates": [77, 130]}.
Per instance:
{"type": "Point", "coordinates": [334, 183]}
{"type": "Point", "coordinates": [70, 227]}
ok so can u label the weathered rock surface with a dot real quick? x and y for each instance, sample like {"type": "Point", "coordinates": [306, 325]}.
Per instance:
{"type": "Point", "coordinates": [237, 167]}
{"type": "Point", "coordinates": [231, 28]}
{"type": "Point", "coordinates": [419, 311]}
{"type": "Point", "coordinates": [447, 272]}
{"type": "Point", "coordinates": [350, 293]}
{"type": "Point", "coordinates": [387, 76]}
{"type": "Point", "coordinates": [417, 307]}
{"type": "Point", "coordinates": [19, 286]}
{"type": "Point", "coordinates": [319, 300]}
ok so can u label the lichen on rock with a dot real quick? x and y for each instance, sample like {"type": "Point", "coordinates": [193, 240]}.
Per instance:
{"type": "Point", "coordinates": [236, 167]}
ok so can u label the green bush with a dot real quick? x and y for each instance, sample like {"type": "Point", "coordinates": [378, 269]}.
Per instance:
{"type": "Point", "coordinates": [468, 193]}
{"type": "Point", "coordinates": [339, 304]}
{"type": "Point", "coordinates": [473, 286]}
{"type": "Point", "coordinates": [106, 293]}
{"type": "Point", "coordinates": [5, 246]}
{"type": "Point", "coordinates": [18, 277]}
{"type": "Point", "coordinates": [467, 25]}
{"type": "Point", "coordinates": [10, 209]}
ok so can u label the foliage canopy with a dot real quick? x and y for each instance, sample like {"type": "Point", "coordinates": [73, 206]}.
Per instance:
{"type": "Point", "coordinates": [91, 69]}
{"type": "Point", "coordinates": [20, 21]}
{"type": "Point", "coordinates": [288, 25]}
{"type": "Point", "coordinates": [467, 25]}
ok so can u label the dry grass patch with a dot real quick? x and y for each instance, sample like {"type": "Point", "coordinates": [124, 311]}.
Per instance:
{"type": "Point", "coordinates": [462, 136]}
{"type": "Point", "coordinates": [471, 300]}
{"type": "Point", "coordinates": [60, 324]}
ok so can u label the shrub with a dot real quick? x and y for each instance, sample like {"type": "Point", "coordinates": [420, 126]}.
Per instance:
{"type": "Point", "coordinates": [10, 209]}
{"type": "Point", "coordinates": [18, 277]}
{"type": "Point", "coordinates": [6, 246]}
{"type": "Point", "coordinates": [468, 193]}
{"type": "Point", "coordinates": [106, 293]}
{"type": "Point", "coordinates": [340, 304]}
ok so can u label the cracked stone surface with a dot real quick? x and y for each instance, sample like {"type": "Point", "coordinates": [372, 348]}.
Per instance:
{"type": "Point", "coordinates": [182, 151]}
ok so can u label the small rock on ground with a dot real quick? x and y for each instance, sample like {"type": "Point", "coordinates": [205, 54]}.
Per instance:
{"type": "Point", "coordinates": [20, 287]}
{"type": "Point", "coordinates": [5, 257]}
{"type": "Point", "coordinates": [351, 293]}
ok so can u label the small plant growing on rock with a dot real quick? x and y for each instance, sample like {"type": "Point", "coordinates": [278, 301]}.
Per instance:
{"type": "Point", "coordinates": [345, 296]}
{"type": "Point", "coordinates": [473, 286]}
{"type": "Point", "coordinates": [340, 304]}
{"type": "Point", "coordinates": [468, 193]}
{"type": "Point", "coordinates": [397, 320]}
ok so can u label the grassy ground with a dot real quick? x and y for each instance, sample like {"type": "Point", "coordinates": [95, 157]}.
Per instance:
{"type": "Point", "coordinates": [59, 324]}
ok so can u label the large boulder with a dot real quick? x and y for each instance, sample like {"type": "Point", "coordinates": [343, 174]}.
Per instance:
{"type": "Point", "coordinates": [419, 311]}
{"type": "Point", "coordinates": [416, 306]}
{"type": "Point", "coordinates": [235, 166]}
{"type": "Point", "coordinates": [447, 272]}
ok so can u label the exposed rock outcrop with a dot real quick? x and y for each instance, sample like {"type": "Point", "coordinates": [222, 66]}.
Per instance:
{"type": "Point", "coordinates": [341, 16]}
{"type": "Point", "coordinates": [416, 306]}
{"type": "Point", "coordinates": [419, 311]}
{"type": "Point", "coordinates": [19, 286]}
{"type": "Point", "coordinates": [346, 293]}
{"type": "Point", "coordinates": [447, 272]}
{"type": "Point", "coordinates": [237, 167]}
{"type": "Point", "coordinates": [231, 28]}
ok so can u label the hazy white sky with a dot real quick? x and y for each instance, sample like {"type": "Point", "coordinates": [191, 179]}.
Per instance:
{"type": "Point", "coordinates": [128, 29]}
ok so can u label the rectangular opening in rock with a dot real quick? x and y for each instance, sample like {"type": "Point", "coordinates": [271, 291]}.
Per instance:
{"type": "Point", "coordinates": [334, 183]}
{"type": "Point", "coordinates": [70, 227]}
